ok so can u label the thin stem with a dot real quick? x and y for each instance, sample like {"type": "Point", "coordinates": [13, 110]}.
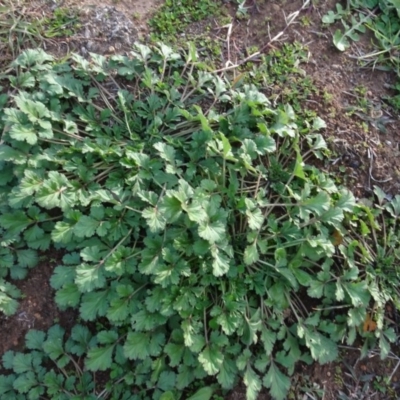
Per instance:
{"type": "Point", "coordinates": [187, 82]}
{"type": "Point", "coordinates": [205, 325]}
{"type": "Point", "coordinates": [71, 135]}
{"type": "Point", "coordinates": [138, 290]}
{"type": "Point", "coordinates": [99, 176]}
{"type": "Point", "coordinates": [60, 142]}
{"type": "Point", "coordinates": [115, 248]}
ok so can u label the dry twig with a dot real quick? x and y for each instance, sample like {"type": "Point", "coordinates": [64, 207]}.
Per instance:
{"type": "Point", "coordinates": [290, 19]}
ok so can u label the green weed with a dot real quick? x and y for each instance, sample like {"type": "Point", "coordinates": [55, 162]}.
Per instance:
{"type": "Point", "coordinates": [328, 97]}
{"type": "Point", "coordinates": [381, 17]}
{"type": "Point", "coordinates": [174, 16]}
{"type": "Point", "coordinates": [199, 241]}
{"type": "Point", "coordinates": [305, 21]}
{"type": "Point", "coordinates": [62, 23]}
{"type": "Point", "coordinates": [280, 74]}
{"type": "Point", "coordinates": [188, 231]}
{"type": "Point", "coordinates": [19, 31]}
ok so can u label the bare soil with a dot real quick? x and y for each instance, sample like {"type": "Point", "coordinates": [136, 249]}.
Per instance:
{"type": "Point", "coordinates": [363, 155]}
{"type": "Point", "coordinates": [37, 309]}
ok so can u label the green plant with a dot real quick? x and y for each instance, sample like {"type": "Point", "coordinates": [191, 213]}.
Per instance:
{"type": "Point", "coordinates": [303, 387]}
{"type": "Point", "coordinates": [173, 16]}
{"type": "Point", "coordinates": [17, 31]}
{"type": "Point", "coordinates": [352, 28]}
{"type": "Point", "coordinates": [193, 228]}
{"type": "Point", "coordinates": [384, 255]}
{"type": "Point", "coordinates": [365, 385]}
{"type": "Point", "coordinates": [386, 31]}
{"type": "Point", "coordinates": [355, 386]}
{"type": "Point", "coordinates": [394, 100]}
{"type": "Point", "coordinates": [327, 96]}
{"type": "Point", "coordinates": [379, 16]}
{"type": "Point", "coordinates": [241, 12]}
{"type": "Point", "coordinates": [64, 22]}
{"type": "Point", "coordinates": [305, 20]}
{"type": "Point", "coordinates": [136, 16]}
{"type": "Point", "coordinates": [333, 16]}
{"type": "Point", "coordinates": [280, 74]}
{"type": "Point", "coordinates": [8, 296]}
{"type": "Point", "coordinates": [208, 49]}
{"type": "Point", "coordinates": [380, 384]}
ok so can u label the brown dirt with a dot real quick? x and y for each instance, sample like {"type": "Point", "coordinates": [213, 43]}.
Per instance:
{"type": "Point", "coordinates": [363, 156]}
{"type": "Point", "coordinates": [37, 309]}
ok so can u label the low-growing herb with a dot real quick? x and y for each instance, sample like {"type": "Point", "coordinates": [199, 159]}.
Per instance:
{"type": "Point", "coordinates": [192, 228]}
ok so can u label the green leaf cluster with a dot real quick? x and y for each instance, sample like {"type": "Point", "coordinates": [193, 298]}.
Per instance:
{"type": "Point", "coordinates": [381, 17]}
{"type": "Point", "coordinates": [191, 225]}
{"type": "Point", "coordinates": [172, 18]}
